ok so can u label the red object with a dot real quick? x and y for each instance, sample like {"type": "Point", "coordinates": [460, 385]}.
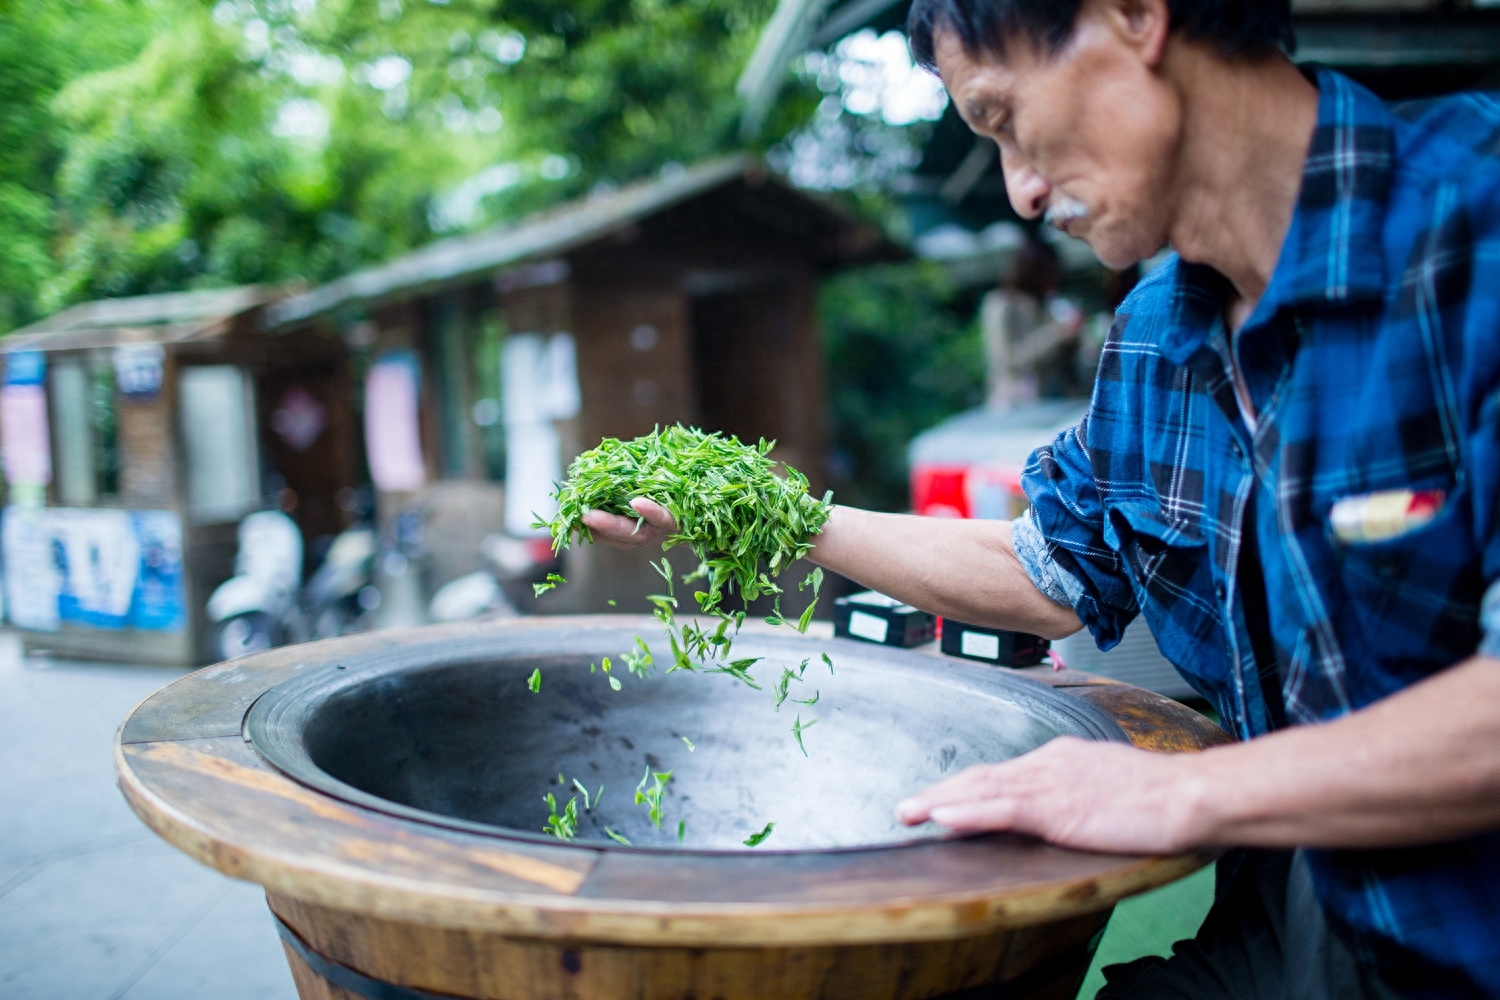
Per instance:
{"type": "Point", "coordinates": [1425, 504]}
{"type": "Point", "coordinates": [540, 550]}
{"type": "Point", "coordinates": [939, 491]}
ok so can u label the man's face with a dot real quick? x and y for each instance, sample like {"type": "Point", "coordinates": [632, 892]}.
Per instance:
{"type": "Point", "coordinates": [1088, 136]}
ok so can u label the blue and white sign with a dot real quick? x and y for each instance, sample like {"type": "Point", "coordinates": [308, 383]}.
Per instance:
{"type": "Point", "coordinates": [138, 369]}
{"type": "Point", "coordinates": [108, 569]}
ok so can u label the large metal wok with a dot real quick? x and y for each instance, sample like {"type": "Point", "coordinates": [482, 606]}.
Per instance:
{"type": "Point", "coordinates": [387, 790]}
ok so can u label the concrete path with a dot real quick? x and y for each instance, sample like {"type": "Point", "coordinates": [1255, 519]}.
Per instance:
{"type": "Point", "coordinates": [93, 906]}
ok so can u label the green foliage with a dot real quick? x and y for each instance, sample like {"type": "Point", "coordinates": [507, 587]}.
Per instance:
{"type": "Point", "coordinates": [148, 145]}
{"type": "Point", "coordinates": [903, 352]}
{"type": "Point", "coordinates": [43, 45]}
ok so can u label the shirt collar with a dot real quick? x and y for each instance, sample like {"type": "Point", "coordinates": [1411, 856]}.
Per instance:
{"type": "Point", "coordinates": [1333, 251]}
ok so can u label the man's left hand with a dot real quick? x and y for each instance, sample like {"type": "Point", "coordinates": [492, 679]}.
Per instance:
{"type": "Point", "coordinates": [1077, 793]}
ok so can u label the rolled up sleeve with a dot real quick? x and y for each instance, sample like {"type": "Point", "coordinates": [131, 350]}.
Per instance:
{"type": "Point", "coordinates": [1060, 539]}
{"type": "Point", "coordinates": [1489, 620]}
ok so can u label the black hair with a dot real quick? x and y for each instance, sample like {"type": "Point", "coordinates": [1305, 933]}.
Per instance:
{"type": "Point", "coordinates": [1238, 29]}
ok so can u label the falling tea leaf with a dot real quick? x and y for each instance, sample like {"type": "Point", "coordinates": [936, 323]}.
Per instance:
{"type": "Point", "coordinates": [798, 729]}
{"type": "Point", "coordinates": [756, 839]}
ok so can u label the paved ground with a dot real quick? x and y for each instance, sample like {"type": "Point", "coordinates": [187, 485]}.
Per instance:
{"type": "Point", "coordinates": [93, 906]}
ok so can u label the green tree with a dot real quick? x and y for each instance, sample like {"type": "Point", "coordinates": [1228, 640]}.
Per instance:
{"type": "Point", "coordinates": [903, 352]}
{"type": "Point", "coordinates": [42, 47]}
{"type": "Point", "coordinates": [268, 140]}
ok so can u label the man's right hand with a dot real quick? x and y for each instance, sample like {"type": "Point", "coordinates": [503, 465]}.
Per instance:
{"type": "Point", "coordinates": [626, 532]}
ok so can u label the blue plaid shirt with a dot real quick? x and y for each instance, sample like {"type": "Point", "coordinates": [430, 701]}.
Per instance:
{"type": "Point", "coordinates": [1372, 363]}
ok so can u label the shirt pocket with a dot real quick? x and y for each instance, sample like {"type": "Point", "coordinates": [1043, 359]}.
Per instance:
{"type": "Point", "coordinates": [1413, 599]}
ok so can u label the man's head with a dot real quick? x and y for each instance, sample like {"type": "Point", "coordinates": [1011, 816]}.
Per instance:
{"type": "Point", "coordinates": [1076, 94]}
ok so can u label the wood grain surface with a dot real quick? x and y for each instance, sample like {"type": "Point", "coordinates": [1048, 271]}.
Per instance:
{"type": "Point", "coordinates": [486, 967]}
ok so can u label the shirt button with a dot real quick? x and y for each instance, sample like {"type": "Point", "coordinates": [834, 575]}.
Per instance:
{"type": "Point", "coordinates": [1219, 591]}
{"type": "Point", "coordinates": [1236, 450]}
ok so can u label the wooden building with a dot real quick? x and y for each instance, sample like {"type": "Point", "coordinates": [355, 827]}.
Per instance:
{"type": "Point", "coordinates": [690, 298]}
{"type": "Point", "coordinates": [136, 434]}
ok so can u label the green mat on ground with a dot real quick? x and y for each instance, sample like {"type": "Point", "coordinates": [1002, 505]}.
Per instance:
{"type": "Point", "coordinates": [1148, 924]}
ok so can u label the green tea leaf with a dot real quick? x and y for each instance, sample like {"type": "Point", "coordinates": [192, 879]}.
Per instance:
{"type": "Point", "coordinates": [614, 682]}
{"type": "Point", "coordinates": [681, 829]}
{"type": "Point", "coordinates": [798, 729]}
{"type": "Point", "coordinates": [563, 827]}
{"type": "Point", "coordinates": [616, 837]}
{"type": "Point", "coordinates": [756, 839]}
{"type": "Point", "coordinates": [534, 682]}
{"type": "Point", "coordinates": [553, 580]}
{"type": "Point", "coordinates": [652, 796]}
{"type": "Point", "coordinates": [689, 743]}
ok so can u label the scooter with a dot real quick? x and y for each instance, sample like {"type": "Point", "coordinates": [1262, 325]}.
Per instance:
{"type": "Point", "coordinates": [264, 605]}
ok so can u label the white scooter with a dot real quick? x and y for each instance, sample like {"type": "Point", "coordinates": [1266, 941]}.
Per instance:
{"type": "Point", "coordinates": [264, 605]}
{"type": "Point", "coordinates": [248, 609]}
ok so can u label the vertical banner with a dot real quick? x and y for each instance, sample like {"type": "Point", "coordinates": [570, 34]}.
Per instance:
{"type": "Point", "coordinates": [100, 559]}
{"type": "Point", "coordinates": [393, 438]}
{"type": "Point", "coordinates": [25, 442]}
{"type": "Point", "coordinates": [540, 387]}
{"type": "Point", "coordinates": [32, 583]}
{"type": "Point", "coordinates": [157, 602]}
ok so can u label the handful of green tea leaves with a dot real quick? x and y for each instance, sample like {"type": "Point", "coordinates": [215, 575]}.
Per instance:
{"type": "Point", "coordinates": [743, 521]}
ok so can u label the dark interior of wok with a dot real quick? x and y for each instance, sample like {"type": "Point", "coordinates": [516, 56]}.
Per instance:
{"type": "Point", "coordinates": [466, 744]}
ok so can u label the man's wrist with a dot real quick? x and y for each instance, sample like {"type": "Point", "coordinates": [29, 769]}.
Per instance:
{"type": "Point", "coordinates": [1196, 809]}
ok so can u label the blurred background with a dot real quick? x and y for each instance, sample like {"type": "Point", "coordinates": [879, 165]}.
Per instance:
{"type": "Point", "coordinates": [378, 270]}
{"type": "Point", "coordinates": [306, 304]}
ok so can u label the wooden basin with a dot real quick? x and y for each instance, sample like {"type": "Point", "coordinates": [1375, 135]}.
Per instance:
{"type": "Point", "coordinates": [386, 789]}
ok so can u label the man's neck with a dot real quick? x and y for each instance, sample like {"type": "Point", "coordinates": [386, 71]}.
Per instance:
{"type": "Point", "coordinates": [1246, 128]}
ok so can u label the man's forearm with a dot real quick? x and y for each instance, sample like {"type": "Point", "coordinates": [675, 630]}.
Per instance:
{"type": "Point", "coordinates": [1420, 766]}
{"type": "Point", "coordinates": [966, 570]}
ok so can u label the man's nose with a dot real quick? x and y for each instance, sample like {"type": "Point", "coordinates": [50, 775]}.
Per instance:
{"type": "Point", "coordinates": [1027, 189]}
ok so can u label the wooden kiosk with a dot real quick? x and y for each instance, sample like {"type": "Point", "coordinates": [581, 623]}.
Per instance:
{"type": "Point", "coordinates": [689, 298]}
{"type": "Point", "coordinates": [137, 432]}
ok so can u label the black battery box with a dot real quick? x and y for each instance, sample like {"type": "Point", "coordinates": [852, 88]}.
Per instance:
{"type": "Point", "coordinates": [876, 618]}
{"type": "Point", "coordinates": [993, 645]}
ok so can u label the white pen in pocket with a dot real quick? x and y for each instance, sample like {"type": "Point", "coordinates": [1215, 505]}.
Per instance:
{"type": "Point", "coordinates": [1378, 517]}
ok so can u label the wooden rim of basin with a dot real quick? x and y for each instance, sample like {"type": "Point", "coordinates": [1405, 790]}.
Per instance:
{"type": "Point", "coordinates": [187, 771]}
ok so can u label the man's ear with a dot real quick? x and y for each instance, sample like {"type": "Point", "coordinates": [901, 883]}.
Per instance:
{"type": "Point", "coordinates": [1141, 25]}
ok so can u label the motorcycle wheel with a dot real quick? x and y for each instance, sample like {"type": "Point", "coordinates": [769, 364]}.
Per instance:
{"type": "Point", "coordinates": [241, 634]}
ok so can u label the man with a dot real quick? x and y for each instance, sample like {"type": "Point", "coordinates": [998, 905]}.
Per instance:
{"type": "Point", "coordinates": [1290, 470]}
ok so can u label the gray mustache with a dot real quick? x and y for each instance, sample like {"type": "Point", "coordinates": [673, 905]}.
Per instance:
{"type": "Point", "coordinates": [1064, 211]}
